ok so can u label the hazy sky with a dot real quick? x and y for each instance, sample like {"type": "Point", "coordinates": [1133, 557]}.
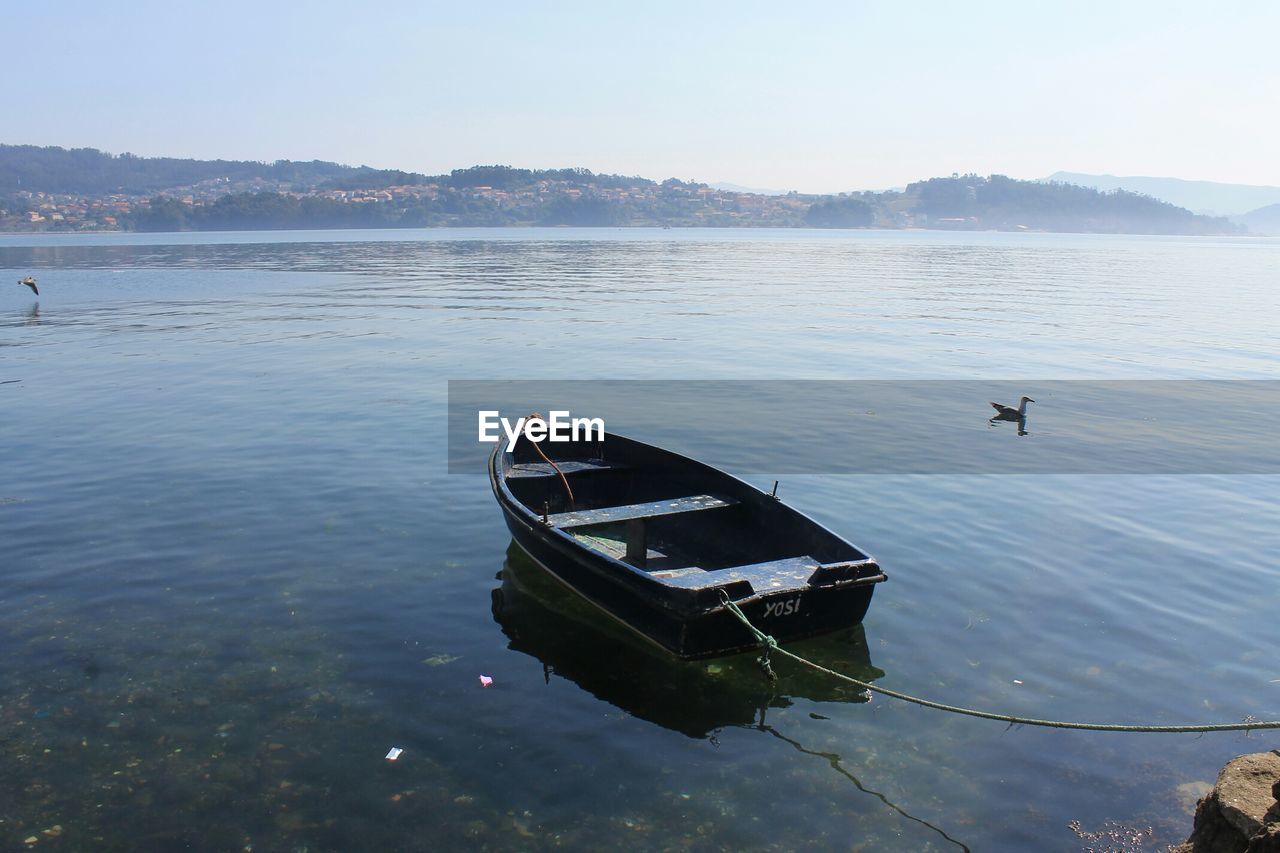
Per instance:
{"type": "Point", "coordinates": [787, 95]}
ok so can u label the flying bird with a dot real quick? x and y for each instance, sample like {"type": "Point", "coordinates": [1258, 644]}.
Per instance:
{"type": "Point", "coordinates": [1009, 413]}
{"type": "Point", "coordinates": [31, 283]}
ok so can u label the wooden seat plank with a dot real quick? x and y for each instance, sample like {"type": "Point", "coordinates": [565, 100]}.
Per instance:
{"type": "Point", "coordinates": [653, 509]}
{"type": "Point", "coordinates": [774, 574]}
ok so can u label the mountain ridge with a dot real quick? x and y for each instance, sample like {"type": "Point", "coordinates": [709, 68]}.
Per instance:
{"type": "Point", "coordinates": [1210, 197]}
{"type": "Point", "coordinates": [1264, 220]}
{"type": "Point", "coordinates": [56, 189]}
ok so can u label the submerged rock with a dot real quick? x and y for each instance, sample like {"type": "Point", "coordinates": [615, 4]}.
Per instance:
{"type": "Point", "coordinates": [1241, 813]}
{"type": "Point", "coordinates": [1190, 794]}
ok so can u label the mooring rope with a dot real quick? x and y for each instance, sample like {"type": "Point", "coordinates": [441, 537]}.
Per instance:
{"type": "Point", "coordinates": [769, 644]}
{"type": "Point", "coordinates": [564, 481]}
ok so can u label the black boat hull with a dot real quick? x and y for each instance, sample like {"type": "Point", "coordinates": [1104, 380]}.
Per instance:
{"type": "Point", "coordinates": [707, 631]}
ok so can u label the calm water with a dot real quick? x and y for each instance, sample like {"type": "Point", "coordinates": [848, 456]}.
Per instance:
{"type": "Point", "coordinates": [235, 571]}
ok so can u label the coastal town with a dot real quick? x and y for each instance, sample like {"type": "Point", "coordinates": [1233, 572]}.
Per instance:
{"type": "Point", "coordinates": [51, 189]}
{"type": "Point", "coordinates": [656, 203]}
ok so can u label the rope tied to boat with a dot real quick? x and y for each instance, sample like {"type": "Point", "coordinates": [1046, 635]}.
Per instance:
{"type": "Point", "coordinates": [564, 481]}
{"type": "Point", "coordinates": [768, 644]}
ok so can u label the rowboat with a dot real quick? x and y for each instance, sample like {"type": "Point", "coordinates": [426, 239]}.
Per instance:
{"type": "Point", "coordinates": [661, 542]}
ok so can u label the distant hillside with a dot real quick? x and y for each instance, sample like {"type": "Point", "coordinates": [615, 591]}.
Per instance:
{"type": "Point", "coordinates": [54, 189]}
{"type": "Point", "coordinates": [1264, 220]}
{"type": "Point", "coordinates": [497, 196]}
{"type": "Point", "coordinates": [87, 171]}
{"type": "Point", "coordinates": [998, 202]}
{"type": "Point", "coordinates": [90, 172]}
{"type": "Point", "coordinates": [1198, 196]}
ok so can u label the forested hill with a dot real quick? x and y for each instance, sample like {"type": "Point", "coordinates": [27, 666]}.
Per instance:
{"type": "Point", "coordinates": [1006, 204]}
{"type": "Point", "coordinates": [88, 171]}
{"type": "Point", "coordinates": [55, 189]}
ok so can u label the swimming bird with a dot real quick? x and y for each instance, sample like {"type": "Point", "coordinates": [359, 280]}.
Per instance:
{"type": "Point", "coordinates": [1009, 413]}
{"type": "Point", "coordinates": [31, 283]}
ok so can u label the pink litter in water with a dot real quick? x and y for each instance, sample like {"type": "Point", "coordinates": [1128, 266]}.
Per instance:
{"type": "Point", "coordinates": [485, 681]}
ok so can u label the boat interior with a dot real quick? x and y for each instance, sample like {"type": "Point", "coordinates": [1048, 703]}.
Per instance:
{"type": "Point", "coordinates": [685, 524]}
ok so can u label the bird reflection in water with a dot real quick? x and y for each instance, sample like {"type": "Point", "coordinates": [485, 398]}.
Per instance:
{"type": "Point", "coordinates": [33, 316]}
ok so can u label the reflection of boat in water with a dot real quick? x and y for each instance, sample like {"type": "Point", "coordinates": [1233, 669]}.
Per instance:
{"type": "Point", "coordinates": [662, 542]}
{"type": "Point", "coordinates": [573, 640]}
